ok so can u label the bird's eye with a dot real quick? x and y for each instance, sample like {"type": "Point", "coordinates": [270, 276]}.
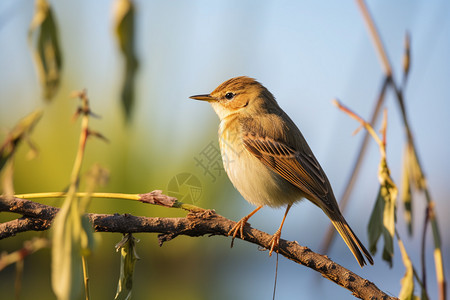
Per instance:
{"type": "Point", "coordinates": [229, 96]}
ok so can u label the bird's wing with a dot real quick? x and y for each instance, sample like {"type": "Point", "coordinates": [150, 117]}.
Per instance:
{"type": "Point", "coordinates": [299, 168]}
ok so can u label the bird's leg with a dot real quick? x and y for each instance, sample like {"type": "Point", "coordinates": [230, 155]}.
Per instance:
{"type": "Point", "coordinates": [239, 226]}
{"type": "Point", "coordinates": [276, 237]}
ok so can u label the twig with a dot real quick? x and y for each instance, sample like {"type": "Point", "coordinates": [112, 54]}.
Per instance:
{"type": "Point", "coordinates": [381, 142]}
{"type": "Point", "coordinates": [375, 38]}
{"type": "Point", "coordinates": [438, 260]}
{"type": "Point", "coordinates": [11, 228]}
{"type": "Point", "coordinates": [356, 167]}
{"type": "Point", "coordinates": [85, 277]}
{"type": "Point", "coordinates": [199, 223]}
{"type": "Point", "coordinates": [422, 251]}
{"type": "Point", "coordinates": [153, 197]}
{"type": "Point", "coordinates": [69, 238]}
{"type": "Point", "coordinates": [29, 247]}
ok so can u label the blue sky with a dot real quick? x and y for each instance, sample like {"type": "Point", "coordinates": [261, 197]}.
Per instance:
{"type": "Point", "coordinates": [306, 53]}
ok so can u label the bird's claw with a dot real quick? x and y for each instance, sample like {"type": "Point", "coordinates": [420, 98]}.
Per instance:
{"type": "Point", "coordinates": [274, 242]}
{"type": "Point", "coordinates": [238, 227]}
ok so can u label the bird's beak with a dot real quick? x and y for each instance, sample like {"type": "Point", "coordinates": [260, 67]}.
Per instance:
{"type": "Point", "coordinates": [205, 97]}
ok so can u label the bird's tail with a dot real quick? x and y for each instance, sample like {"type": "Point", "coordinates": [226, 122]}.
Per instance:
{"type": "Point", "coordinates": [351, 239]}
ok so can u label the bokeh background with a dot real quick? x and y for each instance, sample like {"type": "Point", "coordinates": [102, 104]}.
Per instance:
{"type": "Point", "coordinates": [305, 53]}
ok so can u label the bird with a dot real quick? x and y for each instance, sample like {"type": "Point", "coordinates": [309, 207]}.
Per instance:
{"type": "Point", "coordinates": [268, 160]}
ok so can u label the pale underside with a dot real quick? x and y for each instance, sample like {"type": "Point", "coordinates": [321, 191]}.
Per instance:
{"type": "Point", "coordinates": [258, 184]}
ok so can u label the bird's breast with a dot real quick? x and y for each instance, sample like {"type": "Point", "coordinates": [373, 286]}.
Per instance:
{"type": "Point", "coordinates": [256, 182]}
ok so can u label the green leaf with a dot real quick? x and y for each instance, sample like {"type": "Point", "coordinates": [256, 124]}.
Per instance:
{"type": "Point", "coordinates": [87, 236]}
{"type": "Point", "coordinates": [124, 19]}
{"type": "Point", "coordinates": [66, 249]}
{"type": "Point", "coordinates": [406, 194]}
{"type": "Point", "coordinates": [96, 176]}
{"type": "Point", "coordinates": [128, 258]}
{"type": "Point", "coordinates": [375, 227]}
{"type": "Point", "coordinates": [382, 221]}
{"type": "Point", "coordinates": [73, 237]}
{"type": "Point", "coordinates": [44, 42]}
{"type": "Point", "coordinates": [407, 282]}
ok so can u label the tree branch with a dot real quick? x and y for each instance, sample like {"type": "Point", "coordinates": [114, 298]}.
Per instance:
{"type": "Point", "coordinates": [38, 217]}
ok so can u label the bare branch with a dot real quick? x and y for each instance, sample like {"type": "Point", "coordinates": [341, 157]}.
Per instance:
{"type": "Point", "coordinates": [195, 224]}
{"type": "Point", "coordinates": [14, 227]}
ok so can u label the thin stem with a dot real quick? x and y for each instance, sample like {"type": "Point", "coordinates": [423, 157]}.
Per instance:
{"type": "Point", "coordinates": [366, 125]}
{"type": "Point", "coordinates": [135, 197]}
{"type": "Point", "coordinates": [423, 248]}
{"type": "Point", "coordinates": [80, 154]}
{"type": "Point", "coordinates": [19, 278]}
{"type": "Point", "coordinates": [422, 286]}
{"type": "Point", "coordinates": [375, 37]}
{"type": "Point", "coordinates": [79, 194]}
{"type": "Point", "coordinates": [86, 277]}
{"type": "Point", "coordinates": [345, 198]}
{"type": "Point", "coordinates": [276, 277]}
{"type": "Point", "coordinates": [84, 109]}
{"type": "Point", "coordinates": [70, 214]}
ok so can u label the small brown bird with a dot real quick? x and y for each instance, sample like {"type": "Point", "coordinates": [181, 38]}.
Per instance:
{"type": "Point", "coordinates": [268, 160]}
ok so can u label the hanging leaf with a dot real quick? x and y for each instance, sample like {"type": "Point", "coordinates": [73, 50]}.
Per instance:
{"type": "Point", "coordinates": [66, 251]}
{"type": "Point", "coordinates": [124, 18]}
{"type": "Point", "coordinates": [382, 220]}
{"type": "Point", "coordinates": [73, 237]}
{"type": "Point", "coordinates": [406, 193]}
{"type": "Point", "coordinates": [97, 176]}
{"type": "Point", "coordinates": [407, 282]}
{"type": "Point", "coordinates": [44, 42]}
{"type": "Point", "coordinates": [128, 258]}
{"type": "Point", "coordinates": [19, 133]}
{"type": "Point", "coordinates": [375, 227]}
{"type": "Point", "coordinates": [418, 178]}
{"type": "Point", "coordinates": [16, 135]}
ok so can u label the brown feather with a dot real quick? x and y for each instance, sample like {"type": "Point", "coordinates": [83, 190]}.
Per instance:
{"type": "Point", "coordinates": [303, 171]}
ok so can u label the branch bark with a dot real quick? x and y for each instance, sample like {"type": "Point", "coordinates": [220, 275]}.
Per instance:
{"type": "Point", "coordinates": [38, 217]}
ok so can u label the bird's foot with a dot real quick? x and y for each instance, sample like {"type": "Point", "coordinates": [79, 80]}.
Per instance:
{"type": "Point", "coordinates": [238, 227]}
{"type": "Point", "coordinates": [274, 242]}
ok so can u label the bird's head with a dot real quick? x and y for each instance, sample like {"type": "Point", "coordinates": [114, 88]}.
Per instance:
{"type": "Point", "coordinates": [237, 95]}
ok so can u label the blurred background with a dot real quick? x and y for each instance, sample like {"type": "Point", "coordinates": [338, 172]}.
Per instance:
{"type": "Point", "coordinates": [305, 53]}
